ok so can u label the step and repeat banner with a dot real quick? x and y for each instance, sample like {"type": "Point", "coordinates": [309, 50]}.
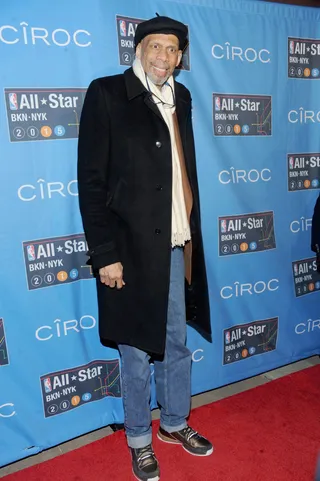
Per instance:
{"type": "Point", "coordinates": [253, 69]}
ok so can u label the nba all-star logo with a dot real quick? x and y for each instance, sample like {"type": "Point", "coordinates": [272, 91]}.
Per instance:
{"type": "Point", "coordinates": [126, 28]}
{"type": "Point", "coordinates": [4, 359]}
{"type": "Point", "coordinates": [303, 171]}
{"type": "Point", "coordinates": [43, 114]}
{"type": "Point", "coordinates": [305, 276]}
{"type": "Point", "coordinates": [65, 390]}
{"type": "Point", "coordinates": [56, 261]}
{"type": "Point", "coordinates": [240, 234]}
{"type": "Point", "coordinates": [303, 58]}
{"type": "Point", "coordinates": [241, 115]}
{"type": "Point", "coordinates": [247, 340]}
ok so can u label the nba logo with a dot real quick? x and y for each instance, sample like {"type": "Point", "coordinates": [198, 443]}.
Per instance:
{"type": "Point", "coordinates": [31, 253]}
{"type": "Point", "coordinates": [227, 337]}
{"type": "Point", "coordinates": [123, 28]}
{"type": "Point", "coordinates": [223, 226]}
{"type": "Point", "coordinates": [47, 384]}
{"type": "Point", "coordinates": [291, 162]}
{"type": "Point", "coordinates": [295, 268]}
{"type": "Point", "coordinates": [291, 46]}
{"type": "Point", "coordinates": [13, 101]}
{"type": "Point", "coordinates": [217, 103]}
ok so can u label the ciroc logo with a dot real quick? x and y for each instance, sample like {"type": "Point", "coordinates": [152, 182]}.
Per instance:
{"type": "Point", "coordinates": [301, 225]}
{"type": "Point", "coordinates": [43, 190]}
{"type": "Point", "coordinates": [237, 289]}
{"type": "Point", "coordinates": [236, 176]}
{"type": "Point", "coordinates": [303, 116]}
{"type": "Point", "coordinates": [62, 328]}
{"type": "Point", "coordinates": [26, 35]}
{"type": "Point", "coordinates": [249, 54]}
{"type": "Point", "coordinates": [308, 326]}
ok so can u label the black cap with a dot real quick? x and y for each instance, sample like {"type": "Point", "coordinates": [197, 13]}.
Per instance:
{"type": "Point", "coordinates": [164, 25]}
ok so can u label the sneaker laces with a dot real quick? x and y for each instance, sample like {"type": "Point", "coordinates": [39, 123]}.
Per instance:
{"type": "Point", "coordinates": [145, 453]}
{"type": "Point", "coordinates": [190, 433]}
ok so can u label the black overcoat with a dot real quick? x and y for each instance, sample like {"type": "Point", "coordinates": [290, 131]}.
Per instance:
{"type": "Point", "coordinates": [125, 194]}
{"type": "Point", "coordinates": [315, 230]}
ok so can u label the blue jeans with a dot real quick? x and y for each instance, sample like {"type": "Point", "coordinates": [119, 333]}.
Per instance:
{"type": "Point", "coordinates": [172, 375]}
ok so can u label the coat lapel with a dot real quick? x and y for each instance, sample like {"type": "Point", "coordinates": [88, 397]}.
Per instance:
{"type": "Point", "coordinates": [135, 88]}
{"type": "Point", "coordinates": [149, 102]}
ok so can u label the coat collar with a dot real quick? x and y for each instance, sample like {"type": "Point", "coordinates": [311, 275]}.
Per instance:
{"type": "Point", "coordinates": [133, 85]}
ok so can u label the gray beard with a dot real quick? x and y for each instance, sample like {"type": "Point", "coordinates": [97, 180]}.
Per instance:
{"type": "Point", "coordinates": [157, 82]}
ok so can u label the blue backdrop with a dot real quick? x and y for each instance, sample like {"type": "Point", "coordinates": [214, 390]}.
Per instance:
{"type": "Point", "coordinates": [253, 70]}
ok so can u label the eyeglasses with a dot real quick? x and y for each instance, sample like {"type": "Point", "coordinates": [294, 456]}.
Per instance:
{"type": "Point", "coordinates": [165, 105]}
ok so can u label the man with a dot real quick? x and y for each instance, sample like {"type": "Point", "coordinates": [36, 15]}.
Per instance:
{"type": "Point", "coordinates": [139, 202]}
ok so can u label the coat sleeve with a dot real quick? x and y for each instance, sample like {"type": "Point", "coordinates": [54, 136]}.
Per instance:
{"type": "Point", "coordinates": [315, 230]}
{"type": "Point", "coordinates": [93, 161]}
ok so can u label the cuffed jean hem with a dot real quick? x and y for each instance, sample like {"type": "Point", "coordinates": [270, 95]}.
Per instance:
{"type": "Point", "coordinates": [138, 442]}
{"type": "Point", "coordinates": [173, 429]}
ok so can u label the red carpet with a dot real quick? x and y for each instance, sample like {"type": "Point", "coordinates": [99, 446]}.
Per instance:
{"type": "Point", "coordinates": [270, 433]}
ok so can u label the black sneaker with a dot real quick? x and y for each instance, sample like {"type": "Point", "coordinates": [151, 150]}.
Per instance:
{"type": "Point", "coordinates": [189, 439]}
{"type": "Point", "coordinates": [144, 464]}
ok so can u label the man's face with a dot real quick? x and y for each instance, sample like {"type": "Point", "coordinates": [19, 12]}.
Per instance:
{"type": "Point", "coordinates": [159, 55]}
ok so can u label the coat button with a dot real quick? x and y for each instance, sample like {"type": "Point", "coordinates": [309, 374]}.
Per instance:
{"type": "Point", "coordinates": [157, 231]}
{"type": "Point", "coordinates": [159, 187]}
{"type": "Point", "coordinates": [158, 144]}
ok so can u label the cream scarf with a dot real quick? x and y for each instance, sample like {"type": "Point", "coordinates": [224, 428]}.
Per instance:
{"type": "Point", "coordinates": [180, 229]}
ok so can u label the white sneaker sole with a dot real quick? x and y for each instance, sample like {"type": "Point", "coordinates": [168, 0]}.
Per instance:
{"type": "Point", "coordinates": [208, 453]}
{"type": "Point", "coordinates": [157, 478]}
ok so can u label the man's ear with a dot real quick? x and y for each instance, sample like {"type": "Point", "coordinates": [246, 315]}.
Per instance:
{"type": "Point", "coordinates": [138, 50]}
{"type": "Point", "coordinates": [179, 58]}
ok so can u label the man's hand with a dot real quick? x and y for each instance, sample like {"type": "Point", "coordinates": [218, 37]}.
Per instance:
{"type": "Point", "coordinates": [112, 275]}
